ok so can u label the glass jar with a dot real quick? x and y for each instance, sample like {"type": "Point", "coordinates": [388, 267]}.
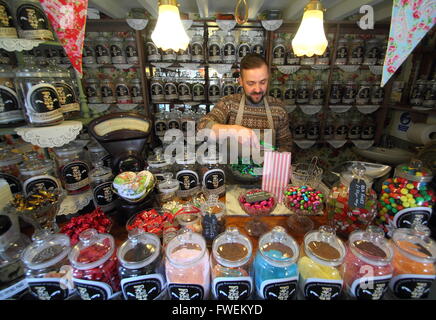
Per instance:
{"type": "Point", "coordinates": [53, 56]}
{"type": "Point", "coordinates": [88, 53]}
{"type": "Point", "coordinates": [41, 101]}
{"type": "Point", "coordinates": [303, 92]}
{"type": "Point", "coordinates": [290, 93]}
{"type": "Point", "coordinates": [157, 88]}
{"type": "Point", "coordinates": [169, 55]}
{"type": "Point", "coordinates": [214, 88]}
{"type": "Point", "coordinates": [413, 262]}
{"type": "Point", "coordinates": [372, 52]}
{"type": "Point", "coordinates": [95, 266]}
{"type": "Point", "coordinates": [299, 128]}
{"type": "Point", "coordinates": [107, 89]}
{"type": "Point", "coordinates": [305, 60]}
{"type": "Point", "coordinates": [38, 174]}
{"type": "Point", "coordinates": [11, 110]}
{"type": "Point", "coordinates": [363, 93]}
{"type": "Point", "coordinates": [429, 100]}
{"type": "Point", "coordinates": [275, 267]}
{"type": "Point", "coordinates": [131, 51]}
{"type": "Point", "coordinates": [323, 59]}
{"type": "Point", "coordinates": [342, 52]}
{"type": "Point", "coordinates": [377, 94]}
{"type": "Point", "coordinates": [153, 54]}
{"type": "Point", "coordinates": [244, 47]}
{"type": "Point", "coordinates": [355, 130]}
{"type": "Point", "coordinates": [160, 125]}
{"type": "Point", "coordinates": [174, 120]}
{"type": "Point", "coordinates": [357, 50]}
{"type": "Point", "coordinates": [98, 153]}
{"type": "Point", "coordinates": [31, 20]}
{"type": "Point", "coordinates": [140, 269]}
{"type": "Point", "coordinates": [118, 55]}
{"type": "Point", "coordinates": [322, 253]}
{"type": "Point", "coordinates": [329, 128]}
{"type": "Point", "coordinates": [189, 219]}
{"type": "Point", "coordinates": [46, 265]}
{"type": "Point", "coordinates": [122, 91]}
{"type": "Point", "coordinates": [167, 188]}
{"type": "Point", "coordinates": [198, 89]}
{"type": "Point", "coordinates": [197, 49]}
{"type": "Point", "coordinates": [101, 178]}
{"type": "Point", "coordinates": [213, 176]}
{"type": "Point", "coordinates": [341, 128]}
{"type": "Point", "coordinates": [318, 93]}
{"type": "Point", "coordinates": [213, 218]}
{"type": "Point", "coordinates": [184, 55]}
{"type": "Point", "coordinates": [367, 268]}
{"type": "Point", "coordinates": [349, 93]}
{"type": "Point", "coordinates": [336, 92]}
{"type": "Point", "coordinates": [368, 128]}
{"type": "Point", "coordinates": [136, 91]}
{"type": "Point", "coordinates": [229, 49]}
{"type": "Point", "coordinates": [73, 170]}
{"type": "Point", "coordinates": [186, 174]}
{"type": "Point", "coordinates": [352, 203]}
{"type": "Point", "coordinates": [417, 93]}
{"type": "Point", "coordinates": [228, 85]}
{"type": "Point", "coordinates": [187, 267]}
{"type": "Point", "coordinates": [214, 49]}
{"type": "Point", "coordinates": [9, 169]}
{"type": "Point", "coordinates": [170, 89]}
{"type": "Point", "coordinates": [67, 93]}
{"type": "Point", "coordinates": [292, 58]}
{"type": "Point", "coordinates": [184, 90]}
{"type": "Point", "coordinates": [258, 42]}
{"type": "Point", "coordinates": [279, 51]}
{"type": "Point", "coordinates": [275, 91]}
{"type": "Point", "coordinates": [102, 50]}
{"type": "Point", "coordinates": [93, 91]}
{"type": "Point", "coordinates": [313, 128]}
{"type": "Point", "coordinates": [231, 261]}
{"type": "Point", "coordinates": [158, 165]}
{"type": "Point", "coordinates": [407, 198]}
{"type": "Point", "coordinates": [381, 58]}
{"type": "Point", "coordinates": [7, 24]}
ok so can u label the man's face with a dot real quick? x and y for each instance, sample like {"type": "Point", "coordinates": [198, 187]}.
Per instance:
{"type": "Point", "coordinates": [255, 83]}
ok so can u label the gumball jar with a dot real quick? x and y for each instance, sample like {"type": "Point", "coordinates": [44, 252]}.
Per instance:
{"type": "Point", "coordinates": [406, 198]}
{"type": "Point", "coordinates": [352, 203]}
{"type": "Point", "coordinates": [367, 268]}
{"type": "Point", "coordinates": [95, 266]}
{"type": "Point", "coordinates": [304, 200]}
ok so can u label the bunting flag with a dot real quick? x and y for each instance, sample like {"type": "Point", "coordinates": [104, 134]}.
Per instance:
{"type": "Point", "coordinates": [68, 19]}
{"type": "Point", "coordinates": [411, 20]}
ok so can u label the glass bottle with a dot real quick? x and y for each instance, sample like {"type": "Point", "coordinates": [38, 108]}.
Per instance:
{"type": "Point", "coordinates": [231, 261]}
{"type": "Point", "coordinates": [186, 174]}
{"type": "Point", "coordinates": [303, 92]}
{"type": "Point", "coordinates": [275, 91]}
{"type": "Point", "coordinates": [342, 52]}
{"type": "Point", "coordinates": [67, 93]}
{"type": "Point", "coordinates": [93, 91]}
{"type": "Point", "coordinates": [352, 203]}
{"type": "Point", "coordinates": [357, 51]}
{"type": "Point", "coordinates": [197, 48]}
{"type": "Point", "coordinates": [167, 188]}
{"type": "Point", "coordinates": [136, 91]}
{"type": "Point", "coordinates": [141, 272]}
{"type": "Point", "coordinates": [372, 52]}
{"type": "Point", "coordinates": [95, 266]}
{"type": "Point", "coordinates": [118, 55]}
{"type": "Point", "coordinates": [152, 52]}
{"type": "Point", "coordinates": [229, 49]}
{"type": "Point", "coordinates": [212, 176]}
{"type": "Point", "coordinates": [101, 179]}
{"type": "Point", "coordinates": [367, 268]}
{"type": "Point", "coordinates": [11, 111]}
{"type": "Point", "coordinates": [214, 88]}
{"type": "Point", "coordinates": [73, 170]}
{"type": "Point", "coordinates": [102, 50]}
{"type": "Point", "coordinates": [122, 91]}
{"type": "Point", "coordinates": [88, 54]}
{"type": "Point", "coordinates": [107, 89]}
{"type": "Point", "coordinates": [350, 91]}
{"type": "Point", "coordinates": [279, 51]}
{"type": "Point", "coordinates": [363, 93]}
{"type": "Point", "coordinates": [275, 267]}
{"type": "Point", "coordinates": [336, 92]}
{"type": "Point", "coordinates": [7, 23]}
{"type": "Point", "coordinates": [46, 265]}
{"type": "Point", "coordinates": [31, 20]}
{"type": "Point", "coordinates": [131, 51]}
{"type": "Point", "coordinates": [187, 267]}
{"type": "Point", "coordinates": [258, 42]}
{"type": "Point", "coordinates": [322, 253]}
{"type": "Point", "coordinates": [157, 88]}
{"type": "Point", "coordinates": [244, 47]}
{"type": "Point", "coordinates": [9, 169]}
{"type": "Point", "coordinates": [214, 48]}
{"type": "Point", "coordinates": [318, 93]}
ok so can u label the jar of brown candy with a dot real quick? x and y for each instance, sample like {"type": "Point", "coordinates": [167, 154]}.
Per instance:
{"type": "Point", "coordinates": [67, 93]}
{"type": "Point", "coordinates": [31, 20]}
{"type": "Point", "coordinates": [107, 89]}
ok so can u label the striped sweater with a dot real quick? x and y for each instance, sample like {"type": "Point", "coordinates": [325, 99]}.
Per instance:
{"type": "Point", "coordinates": [254, 117]}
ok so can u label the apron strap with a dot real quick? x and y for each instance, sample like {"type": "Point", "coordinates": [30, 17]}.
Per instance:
{"type": "Point", "coordinates": [240, 113]}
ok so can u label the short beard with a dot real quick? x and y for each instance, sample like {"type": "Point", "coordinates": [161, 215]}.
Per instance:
{"type": "Point", "coordinates": [251, 100]}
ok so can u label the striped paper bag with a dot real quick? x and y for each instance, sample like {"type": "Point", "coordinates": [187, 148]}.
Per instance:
{"type": "Point", "coordinates": [276, 172]}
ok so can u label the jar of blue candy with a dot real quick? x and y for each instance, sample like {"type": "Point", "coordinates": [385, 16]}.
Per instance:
{"type": "Point", "coordinates": [275, 268]}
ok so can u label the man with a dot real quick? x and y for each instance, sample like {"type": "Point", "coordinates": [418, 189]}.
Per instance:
{"type": "Point", "coordinates": [253, 109]}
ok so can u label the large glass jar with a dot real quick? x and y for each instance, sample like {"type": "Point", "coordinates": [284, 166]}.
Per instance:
{"type": "Point", "coordinates": [368, 128]}
{"type": "Point", "coordinates": [275, 267]}
{"type": "Point", "coordinates": [122, 91]}
{"type": "Point", "coordinates": [367, 268]}
{"type": "Point", "coordinates": [322, 253]}
{"type": "Point", "coordinates": [329, 128]}
{"type": "Point", "coordinates": [160, 124]}
{"type": "Point", "coordinates": [214, 88]}
{"type": "Point", "coordinates": [101, 183]}
{"type": "Point", "coordinates": [158, 165]}
{"type": "Point", "coordinates": [212, 176]}
{"type": "Point", "coordinates": [417, 93]}
{"type": "Point", "coordinates": [258, 42]}
{"type": "Point", "coordinates": [377, 94]}
{"type": "Point", "coordinates": [131, 50]}
{"type": "Point", "coordinates": [184, 89]}
{"type": "Point", "coordinates": [168, 188]}
{"type": "Point", "coordinates": [336, 92]}
{"type": "Point", "coordinates": [38, 174]}
{"type": "Point", "coordinates": [413, 262]}
{"type": "Point", "coordinates": [72, 168]}
{"type": "Point", "coordinates": [355, 129]}
{"type": "Point", "coordinates": [299, 128]}
{"type": "Point", "coordinates": [197, 49]}
{"type": "Point", "coordinates": [170, 89]}
{"type": "Point", "coordinates": [187, 267]}
{"type": "Point", "coordinates": [141, 272]}
{"type": "Point", "coordinates": [98, 153]}
{"type": "Point", "coordinates": [341, 128]}
{"type": "Point", "coordinates": [279, 51]}
{"type": "Point", "coordinates": [349, 92]}
{"type": "Point", "coordinates": [313, 128]}
{"type": "Point", "coordinates": [290, 93]}
{"type": "Point", "coordinates": [231, 262]}
{"type": "Point", "coordinates": [303, 93]}
{"type": "Point", "coordinates": [228, 85]}
{"type": "Point", "coordinates": [229, 49]}
{"type": "Point", "coordinates": [186, 174]}
{"type": "Point", "coordinates": [184, 55]}
{"type": "Point", "coordinates": [275, 91]}
{"type": "Point", "coordinates": [95, 266]}
{"type": "Point", "coordinates": [430, 94]}
{"type": "Point", "coordinates": [136, 91]}
{"type": "Point", "coordinates": [352, 203]}
{"type": "Point", "coordinates": [93, 91]}
{"type": "Point", "coordinates": [102, 50]}
{"type": "Point", "coordinates": [198, 89]}
{"type": "Point", "coordinates": [67, 93]}
{"type": "Point", "coordinates": [11, 111]}
{"type": "Point", "coordinates": [214, 49]}
{"type": "Point", "coordinates": [7, 24]}
{"type": "Point", "coordinates": [292, 58]}
{"type": "Point", "coordinates": [157, 88]}
{"type": "Point", "coordinates": [342, 52]}
{"type": "Point", "coordinates": [107, 88]}
{"type": "Point", "coordinates": [372, 52]}
{"type": "Point", "coordinates": [323, 59]}
{"type": "Point", "coordinates": [407, 198]}
{"type": "Point", "coordinates": [357, 51]}
{"type": "Point", "coordinates": [46, 265]}
{"type": "Point", "coordinates": [118, 55]}
{"type": "Point", "coordinates": [88, 55]}
{"type": "Point", "coordinates": [152, 52]}
{"type": "Point", "coordinates": [9, 169]}
{"type": "Point", "coordinates": [363, 93]}
{"type": "Point", "coordinates": [318, 93]}
{"type": "Point", "coordinates": [31, 20]}
{"type": "Point", "coordinates": [41, 101]}
{"type": "Point", "coordinates": [244, 47]}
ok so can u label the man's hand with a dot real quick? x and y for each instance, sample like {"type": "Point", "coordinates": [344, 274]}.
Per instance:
{"type": "Point", "coordinates": [246, 136]}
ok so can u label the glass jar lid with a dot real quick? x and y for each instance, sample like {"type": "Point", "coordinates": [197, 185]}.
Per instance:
{"type": "Point", "coordinates": [229, 38]}
{"type": "Point", "coordinates": [95, 147]}
{"type": "Point", "coordinates": [141, 249]}
{"type": "Point", "coordinates": [68, 149]}
{"type": "Point", "coordinates": [46, 250]}
{"type": "Point", "coordinates": [356, 171]}
{"type": "Point", "coordinates": [168, 184]}
{"type": "Point", "coordinates": [244, 38]}
{"type": "Point", "coordinates": [278, 248]}
{"type": "Point", "coordinates": [92, 250]}
{"type": "Point", "coordinates": [414, 171]}
{"type": "Point", "coordinates": [231, 248]}
{"type": "Point", "coordinates": [116, 39]}
{"type": "Point", "coordinates": [34, 166]}
{"type": "Point", "coordinates": [197, 38]}
{"type": "Point", "coordinates": [7, 157]}
{"type": "Point", "coordinates": [415, 243]}
{"type": "Point", "coordinates": [214, 39]}
{"type": "Point", "coordinates": [186, 248]}
{"type": "Point", "coordinates": [371, 246]}
{"type": "Point", "coordinates": [324, 247]}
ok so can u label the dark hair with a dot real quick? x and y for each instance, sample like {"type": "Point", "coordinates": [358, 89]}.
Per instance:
{"type": "Point", "coordinates": [252, 61]}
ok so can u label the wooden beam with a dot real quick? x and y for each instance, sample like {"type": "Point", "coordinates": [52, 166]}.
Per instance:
{"type": "Point", "coordinates": [111, 8]}
{"type": "Point", "coordinates": [203, 8]}
{"type": "Point", "coordinates": [347, 8]}
{"type": "Point", "coordinates": [295, 10]}
{"type": "Point", "coordinates": [254, 7]}
{"type": "Point", "coordinates": [150, 5]}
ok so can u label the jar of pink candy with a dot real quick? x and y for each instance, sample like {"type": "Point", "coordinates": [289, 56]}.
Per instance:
{"type": "Point", "coordinates": [257, 202]}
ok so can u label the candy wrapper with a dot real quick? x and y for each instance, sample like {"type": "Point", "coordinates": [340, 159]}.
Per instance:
{"type": "Point", "coordinates": [133, 186]}
{"type": "Point", "coordinates": [150, 221]}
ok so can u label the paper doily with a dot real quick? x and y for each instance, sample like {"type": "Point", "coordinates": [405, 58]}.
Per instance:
{"type": "Point", "coordinates": [340, 108]}
{"type": "Point", "coordinates": [190, 65]}
{"type": "Point", "coordinates": [366, 109]}
{"type": "Point", "coordinates": [161, 64]}
{"type": "Point", "coordinates": [49, 137]}
{"type": "Point", "coordinates": [337, 143]}
{"type": "Point", "coordinates": [310, 109]}
{"type": "Point", "coordinates": [349, 68]}
{"type": "Point", "coordinates": [288, 69]}
{"type": "Point", "coordinates": [377, 70]}
{"type": "Point", "coordinates": [127, 106]}
{"type": "Point", "coordinates": [18, 44]}
{"type": "Point", "coordinates": [187, 24]}
{"type": "Point", "coordinates": [122, 66]}
{"type": "Point", "coordinates": [290, 108]}
{"type": "Point", "coordinates": [363, 144]}
{"type": "Point", "coordinates": [304, 144]}
{"type": "Point", "coordinates": [75, 203]}
{"type": "Point", "coordinates": [137, 24]}
{"type": "Point", "coordinates": [271, 25]}
{"type": "Point", "coordinates": [98, 107]}
{"type": "Point", "coordinates": [319, 66]}
{"type": "Point", "coordinates": [226, 25]}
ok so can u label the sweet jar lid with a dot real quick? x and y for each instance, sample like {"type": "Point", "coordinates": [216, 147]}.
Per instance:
{"type": "Point", "coordinates": [92, 250]}
{"type": "Point", "coordinates": [356, 171]}
{"type": "Point", "coordinates": [415, 243]}
{"type": "Point", "coordinates": [34, 165]}
{"type": "Point", "coordinates": [278, 248]}
{"type": "Point", "coordinates": [46, 250]}
{"type": "Point", "coordinates": [414, 171]}
{"type": "Point", "coordinates": [168, 184]}
{"type": "Point", "coordinates": [141, 249]}
{"type": "Point", "coordinates": [231, 248]}
{"type": "Point", "coordinates": [371, 246]}
{"type": "Point", "coordinates": [229, 38]}
{"type": "Point", "coordinates": [324, 247]}
{"type": "Point", "coordinates": [186, 248]}
{"type": "Point", "coordinates": [68, 149]}
{"type": "Point", "coordinates": [215, 38]}
{"type": "Point", "coordinates": [7, 157]}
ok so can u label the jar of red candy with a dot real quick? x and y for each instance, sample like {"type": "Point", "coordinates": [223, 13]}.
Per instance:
{"type": "Point", "coordinates": [151, 221]}
{"type": "Point", "coordinates": [46, 263]}
{"type": "Point", "coordinates": [414, 262]}
{"type": "Point", "coordinates": [367, 268]}
{"type": "Point", "coordinates": [95, 266]}
{"type": "Point", "coordinates": [9, 169]}
{"type": "Point", "coordinates": [352, 203]}
{"type": "Point", "coordinates": [406, 198]}
{"type": "Point", "coordinates": [73, 170]}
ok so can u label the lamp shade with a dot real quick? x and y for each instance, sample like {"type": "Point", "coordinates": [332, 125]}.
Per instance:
{"type": "Point", "coordinates": [310, 38]}
{"type": "Point", "coordinates": [169, 32]}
